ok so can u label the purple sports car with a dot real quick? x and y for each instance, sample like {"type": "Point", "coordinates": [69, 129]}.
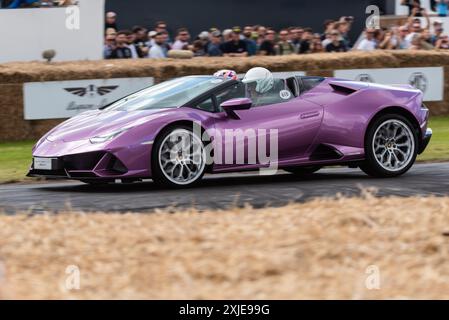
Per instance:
{"type": "Point", "coordinates": [177, 130]}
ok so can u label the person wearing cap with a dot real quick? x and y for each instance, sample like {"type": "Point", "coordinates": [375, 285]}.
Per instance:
{"type": "Point", "coordinates": [204, 38]}
{"type": "Point", "coordinates": [151, 36]}
{"type": "Point", "coordinates": [111, 21]}
{"type": "Point", "coordinates": [214, 47]}
{"type": "Point", "coordinates": [235, 47]}
{"type": "Point", "coordinates": [227, 35]}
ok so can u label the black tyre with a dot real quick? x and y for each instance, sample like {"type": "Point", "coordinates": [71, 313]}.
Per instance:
{"type": "Point", "coordinates": [391, 146]}
{"type": "Point", "coordinates": [178, 158]}
{"type": "Point", "coordinates": [303, 171]}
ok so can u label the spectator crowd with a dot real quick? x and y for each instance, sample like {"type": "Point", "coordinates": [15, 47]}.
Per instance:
{"type": "Point", "coordinates": [417, 33]}
{"type": "Point", "coordinates": [16, 4]}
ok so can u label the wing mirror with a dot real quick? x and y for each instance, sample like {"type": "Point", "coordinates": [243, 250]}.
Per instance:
{"type": "Point", "coordinates": [230, 106]}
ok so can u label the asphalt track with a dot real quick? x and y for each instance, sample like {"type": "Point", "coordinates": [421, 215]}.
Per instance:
{"type": "Point", "coordinates": [220, 191]}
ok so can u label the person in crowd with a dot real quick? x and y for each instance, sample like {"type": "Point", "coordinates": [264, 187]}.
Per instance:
{"type": "Point", "coordinates": [160, 26]}
{"type": "Point", "coordinates": [267, 47]}
{"type": "Point", "coordinates": [403, 39]}
{"type": "Point", "coordinates": [442, 42]}
{"type": "Point", "coordinates": [284, 46]}
{"type": "Point", "coordinates": [343, 27]}
{"type": "Point", "coordinates": [140, 41]}
{"type": "Point", "coordinates": [121, 50]}
{"type": "Point", "coordinates": [198, 49]}
{"type": "Point", "coordinates": [227, 35]}
{"type": "Point", "coordinates": [111, 21]}
{"type": "Point", "coordinates": [316, 46]}
{"type": "Point", "coordinates": [329, 26]}
{"type": "Point", "coordinates": [442, 7]}
{"type": "Point", "coordinates": [295, 35]}
{"type": "Point", "coordinates": [151, 40]}
{"type": "Point", "coordinates": [235, 47]}
{"type": "Point", "coordinates": [426, 38]}
{"type": "Point", "coordinates": [109, 45]}
{"type": "Point", "coordinates": [416, 42]}
{"type": "Point", "coordinates": [437, 33]}
{"type": "Point", "coordinates": [389, 40]}
{"type": "Point", "coordinates": [335, 44]}
{"type": "Point", "coordinates": [182, 40]}
{"type": "Point", "coordinates": [214, 48]}
{"type": "Point", "coordinates": [413, 6]}
{"type": "Point", "coordinates": [369, 42]}
{"type": "Point", "coordinates": [204, 38]}
{"type": "Point", "coordinates": [306, 40]}
{"type": "Point", "coordinates": [251, 45]}
{"type": "Point", "coordinates": [158, 50]}
{"type": "Point", "coordinates": [23, 3]}
{"type": "Point", "coordinates": [131, 37]}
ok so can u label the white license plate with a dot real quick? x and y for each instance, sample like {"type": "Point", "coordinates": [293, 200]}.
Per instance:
{"type": "Point", "coordinates": [42, 163]}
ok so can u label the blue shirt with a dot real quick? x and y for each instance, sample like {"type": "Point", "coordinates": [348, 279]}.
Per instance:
{"type": "Point", "coordinates": [251, 46]}
{"type": "Point", "coordinates": [214, 50]}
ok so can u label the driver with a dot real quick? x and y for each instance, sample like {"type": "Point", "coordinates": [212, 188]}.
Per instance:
{"type": "Point", "coordinates": [259, 81]}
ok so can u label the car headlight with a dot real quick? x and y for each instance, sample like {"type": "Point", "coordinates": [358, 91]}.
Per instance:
{"type": "Point", "coordinates": [107, 137]}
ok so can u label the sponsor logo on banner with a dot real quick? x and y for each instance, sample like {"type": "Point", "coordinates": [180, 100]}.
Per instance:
{"type": "Point", "coordinates": [65, 99]}
{"type": "Point", "coordinates": [429, 80]}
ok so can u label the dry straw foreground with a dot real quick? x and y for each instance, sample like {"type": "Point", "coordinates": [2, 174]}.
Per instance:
{"type": "Point", "coordinates": [321, 249]}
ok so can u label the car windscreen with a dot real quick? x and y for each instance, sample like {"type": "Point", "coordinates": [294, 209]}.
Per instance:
{"type": "Point", "coordinates": [169, 94]}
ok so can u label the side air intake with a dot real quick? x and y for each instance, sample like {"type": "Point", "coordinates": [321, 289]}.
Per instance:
{"type": "Point", "coordinates": [343, 90]}
{"type": "Point", "coordinates": [347, 87]}
{"type": "Point", "coordinates": [325, 152]}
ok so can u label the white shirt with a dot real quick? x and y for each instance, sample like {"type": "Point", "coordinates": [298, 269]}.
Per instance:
{"type": "Point", "coordinates": [367, 45]}
{"type": "Point", "coordinates": [156, 52]}
{"type": "Point", "coordinates": [179, 45]}
{"type": "Point", "coordinates": [134, 54]}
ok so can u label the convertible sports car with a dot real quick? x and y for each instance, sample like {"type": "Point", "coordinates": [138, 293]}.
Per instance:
{"type": "Point", "coordinates": [319, 122]}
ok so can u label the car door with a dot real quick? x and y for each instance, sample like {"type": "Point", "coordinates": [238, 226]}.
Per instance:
{"type": "Point", "coordinates": [293, 120]}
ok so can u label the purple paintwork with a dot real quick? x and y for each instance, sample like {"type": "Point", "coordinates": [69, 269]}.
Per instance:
{"type": "Point", "coordinates": [320, 116]}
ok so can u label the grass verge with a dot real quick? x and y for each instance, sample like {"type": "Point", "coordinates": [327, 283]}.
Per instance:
{"type": "Point", "coordinates": [15, 157]}
{"type": "Point", "coordinates": [361, 248]}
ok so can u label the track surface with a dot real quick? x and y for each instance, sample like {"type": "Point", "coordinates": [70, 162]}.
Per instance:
{"type": "Point", "coordinates": [221, 191]}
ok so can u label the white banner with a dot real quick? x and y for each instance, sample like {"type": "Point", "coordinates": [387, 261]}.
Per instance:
{"type": "Point", "coordinates": [75, 33]}
{"type": "Point", "coordinates": [65, 99]}
{"type": "Point", "coordinates": [429, 80]}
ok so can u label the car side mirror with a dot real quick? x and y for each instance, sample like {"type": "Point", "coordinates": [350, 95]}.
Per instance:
{"type": "Point", "coordinates": [230, 106]}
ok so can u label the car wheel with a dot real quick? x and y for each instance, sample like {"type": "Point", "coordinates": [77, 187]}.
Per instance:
{"type": "Point", "coordinates": [303, 171]}
{"type": "Point", "coordinates": [391, 147]}
{"type": "Point", "coordinates": [178, 158]}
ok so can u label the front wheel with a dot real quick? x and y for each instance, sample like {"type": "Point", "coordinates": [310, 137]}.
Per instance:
{"type": "Point", "coordinates": [178, 158]}
{"type": "Point", "coordinates": [391, 147]}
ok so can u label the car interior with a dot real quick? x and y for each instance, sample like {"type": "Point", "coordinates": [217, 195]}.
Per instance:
{"type": "Point", "coordinates": [301, 84]}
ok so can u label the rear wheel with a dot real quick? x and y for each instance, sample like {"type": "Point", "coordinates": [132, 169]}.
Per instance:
{"type": "Point", "coordinates": [391, 147]}
{"type": "Point", "coordinates": [303, 171]}
{"type": "Point", "coordinates": [178, 158]}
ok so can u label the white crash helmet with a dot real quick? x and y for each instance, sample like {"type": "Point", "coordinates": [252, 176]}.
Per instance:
{"type": "Point", "coordinates": [263, 77]}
